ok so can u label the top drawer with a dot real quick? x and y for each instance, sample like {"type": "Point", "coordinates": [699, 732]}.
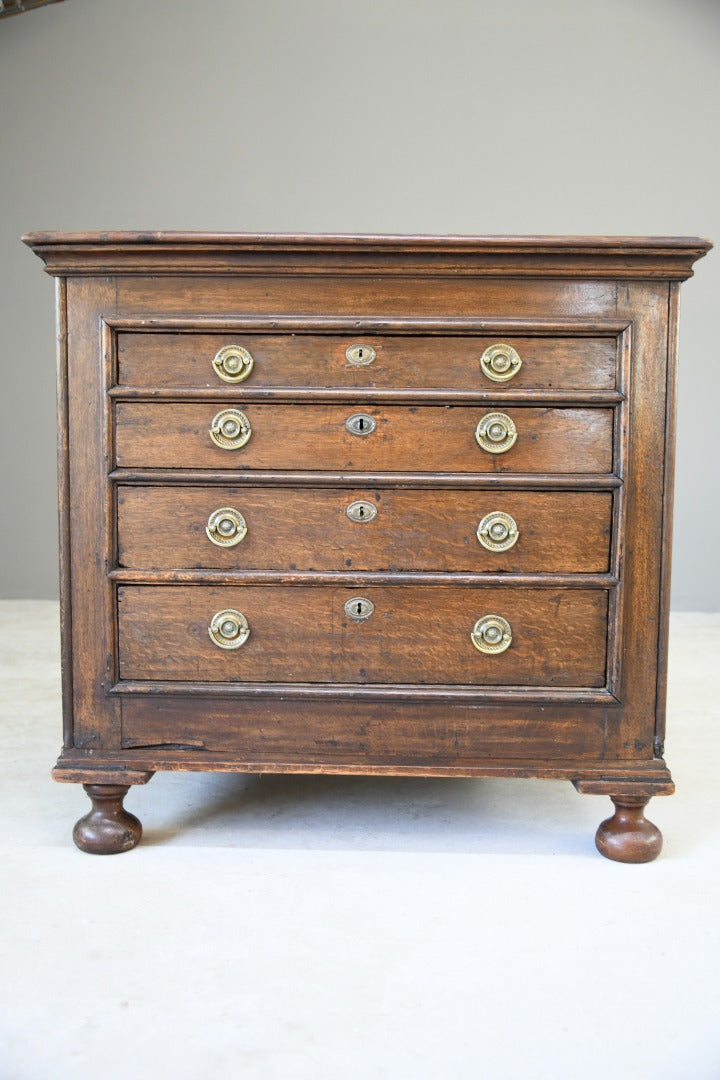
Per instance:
{"type": "Point", "coordinates": [449, 361]}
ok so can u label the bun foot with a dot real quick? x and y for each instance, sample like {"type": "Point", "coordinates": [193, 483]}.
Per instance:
{"type": "Point", "coordinates": [628, 836]}
{"type": "Point", "coordinates": [108, 828]}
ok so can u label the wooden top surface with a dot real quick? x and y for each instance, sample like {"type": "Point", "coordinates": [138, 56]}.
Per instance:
{"type": "Point", "coordinates": [506, 256]}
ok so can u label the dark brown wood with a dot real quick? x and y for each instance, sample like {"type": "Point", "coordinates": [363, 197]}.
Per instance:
{"type": "Point", "coordinates": [95, 716]}
{"type": "Point", "coordinates": [415, 635]}
{"type": "Point", "coordinates": [77, 769]}
{"type": "Point", "coordinates": [592, 257]}
{"type": "Point", "coordinates": [16, 7]}
{"type": "Point", "coordinates": [628, 836]}
{"type": "Point", "coordinates": [317, 478]}
{"type": "Point", "coordinates": [63, 474]}
{"type": "Point", "coordinates": [373, 736]}
{"type": "Point", "coordinates": [236, 396]}
{"type": "Point", "coordinates": [108, 828]}
{"type": "Point", "coordinates": [290, 529]}
{"type": "Point", "coordinates": [403, 361]}
{"type": "Point", "coordinates": [580, 692]}
{"type": "Point", "coordinates": [649, 777]}
{"type": "Point", "coordinates": [434, 694]}
{"type": "Point", "coordinates": [428, 438]}
{"type": "Point", "coordinates": [359, 578]}
{"type": "Point", "coordinates": [667, 523]}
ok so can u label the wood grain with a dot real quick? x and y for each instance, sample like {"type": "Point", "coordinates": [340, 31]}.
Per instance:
{"type": "Point", "coordinates": [185, 359]}
{"type": "Point", "coordinates": [63, 475]}
{"type": "Point", "coordinates": [415, 635]}
{"type": "Point", "coordinates": [309, 529]}
{"type": "Point", "coordinates": [372, 738]}
{"type": "Point", "coordinates": [152, 253]}
{"type": "Point", "coordinates": [438, 439]}
{"type": "Point", "coordinates": [580, 692]}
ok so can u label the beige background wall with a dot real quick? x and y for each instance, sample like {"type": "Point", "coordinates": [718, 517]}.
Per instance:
{"type": "Point", "coordinates": [352, 115]}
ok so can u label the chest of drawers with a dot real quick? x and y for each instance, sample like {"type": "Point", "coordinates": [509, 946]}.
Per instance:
{"type": "Point", "coordinates": [374, 505]}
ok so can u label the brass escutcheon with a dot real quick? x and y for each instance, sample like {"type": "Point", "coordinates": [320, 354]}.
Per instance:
{"type": "Point", "coordinates": [500, 363]}
{"type": "Point", "coordinates": [233, 363]}
{"type": "Point", "coordinates": [229, 629]}
{"type": "Point", "coordinates": [359, 608]}
{"type": "Point", "coordinates": [360, 355]}
{"type": "Point", "coordinates": [226, 527]}
{"type": "Point", "coordinates": [361, 511]}
{"type": "Point", "coordinates": [360, 424]}
{"type": "Point", "coordinates": [491, 634]}
{"type": "Point", "coordinates": [230, 429]}
{"type": "Point", "coordinates": [496, 433]}
{"type": "Point", "coordinates": [498, 531]}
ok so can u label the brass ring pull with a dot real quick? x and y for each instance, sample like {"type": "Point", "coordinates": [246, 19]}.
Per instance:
{"type": "Point", "coordinates": [498, 531]}
{"type": "Point", "coordinates": [233, 363]}
{"type": "Point", "coordinates": [229, 629]}
{"type": "Point", "coordinates": [230, 429]}
{"type": "Point", "coordinates": [500, 363]}
{"type": "Point", "coordinates": [360, 355]}
{"type": "Point", "coordinates": [226, 527]}
{"type": "Point", "coordinates": [491, 634]}
{"type": "Point", "coordinates": [496, 433]}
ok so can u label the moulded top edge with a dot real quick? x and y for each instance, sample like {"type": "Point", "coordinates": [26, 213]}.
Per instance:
{"type": "Point", "coordinates": [305, 241]}
{"type": "Point", "coordinates": [221, 252]}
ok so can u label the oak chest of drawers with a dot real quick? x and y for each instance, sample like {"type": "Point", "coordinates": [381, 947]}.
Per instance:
{"type": "Point", "coordinates": [372, 505]}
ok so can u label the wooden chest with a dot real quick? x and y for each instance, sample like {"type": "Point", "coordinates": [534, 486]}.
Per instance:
{"type": "Point", "coordinates": [374, 505]}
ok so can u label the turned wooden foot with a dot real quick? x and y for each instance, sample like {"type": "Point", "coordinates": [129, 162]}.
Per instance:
{"type": "Point", "coordinates": [108, 829]}
{"type": "Point", "coordinates": [628, 836]}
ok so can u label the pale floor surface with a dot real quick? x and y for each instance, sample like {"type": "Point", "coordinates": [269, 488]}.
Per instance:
{"type": "Point", "coordinates": [300, 928]}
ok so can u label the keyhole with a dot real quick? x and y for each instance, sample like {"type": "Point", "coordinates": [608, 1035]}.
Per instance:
{"type": "Point", "coordinates": [359, 609]}
{"type": "Point", "coordinates": [361, 423]}
{"type": "Point", "coordinates": [360, 354]}
{"type": "Point", "coordinates": [361, 511]}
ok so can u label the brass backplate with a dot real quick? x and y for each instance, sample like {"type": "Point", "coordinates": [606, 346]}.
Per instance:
{"type": "Point", "coordinates": [226, 527]}
{"type": "Point", "coordinates": [229, 629]}
{"type": "Point", "coordinates": [498, 531]}
{"type": "Point", "coordinates": [230, 429]}
{"type": "Point", "coordinates": [496, 433]}
{"type": "Point", "coordinates": [500, 363]}
{"type": "Point", "coordinates": [233, 363]}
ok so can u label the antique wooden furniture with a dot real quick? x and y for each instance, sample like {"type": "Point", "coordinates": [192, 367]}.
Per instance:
{"type": "Point", "coordinates": [366, 504]}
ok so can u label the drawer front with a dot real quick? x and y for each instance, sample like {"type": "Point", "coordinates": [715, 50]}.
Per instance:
{"type": "Point", "coordinates": [363, 529]}
{"type": "Point", "coordinates": [403, 438]}
{"type": "Point", "coordinates": [400, 361]}
{"type": "Point", "coordinates": [416, 635]}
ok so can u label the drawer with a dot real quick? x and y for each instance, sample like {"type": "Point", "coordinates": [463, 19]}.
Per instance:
{"type": "Point", "coordinates": [403, 438]}
{"type": "Point", "coordinates": [400, 361]}
{"type": "Point", "coordinates": [414, 635]}
{"type": "Point", "coordinates": [363, 529]}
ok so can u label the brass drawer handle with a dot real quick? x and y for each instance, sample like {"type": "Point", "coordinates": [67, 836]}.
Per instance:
{"type": "Point", "coordinates": [233, 363]}
{"type": "Point", "coordinates": [359, 608]}
{"type": "Point", "coordinates": [229, 629]}
{"type": "Point", "coordinates": [230, 429]}
{"type": "Point", "coordinates": [360, 355]}
{"type": "Point", "coordinates": [361, 424]}
{"type": "Point", "coordinates": [491, 634]}
{"type": "Point", "coordinates": [226, 527]}
{"type": "Point", "coordinates": [498, 531]}
{"type": "Point", "coordinates": [500, 363]}
{"type": "Point", "coordinates": [361, 511]}
{"type": "Point", "coordinates": [496, 433]}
